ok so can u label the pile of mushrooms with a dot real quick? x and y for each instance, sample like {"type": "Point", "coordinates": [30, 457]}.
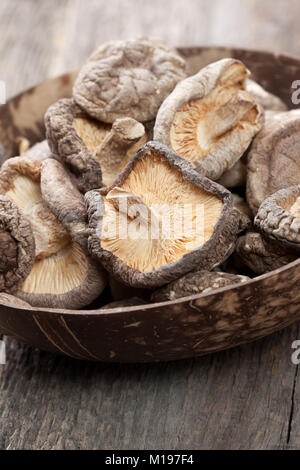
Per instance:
{"type": "Point", "coordinates": [151, 184]}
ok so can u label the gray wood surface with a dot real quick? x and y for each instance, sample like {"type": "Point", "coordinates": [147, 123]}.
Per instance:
{"type": "Point", "coordinates": [245, 398]}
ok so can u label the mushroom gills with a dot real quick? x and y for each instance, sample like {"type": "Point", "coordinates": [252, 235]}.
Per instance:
{"type": "Point", "coordinates": [157, 233]}
{"type": "Point", "coordinates": [200, 123]}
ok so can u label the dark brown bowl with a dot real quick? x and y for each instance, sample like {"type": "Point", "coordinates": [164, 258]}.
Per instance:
{"type": "Point", "coordinates": [183, 328]}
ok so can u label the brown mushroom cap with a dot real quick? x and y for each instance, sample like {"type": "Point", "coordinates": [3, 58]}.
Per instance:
{"type": "Point", "coordinates": [279, 216]}
{"type": "Point", "coordinates": [262, 255]}
{"type": "Point", "coordinates": [17, 250]}
{"type": "Point", "coordinates": [62, 276]}
{"type": "Point", "coordinates": [136, 226]}
{"type": "Point", "coordinates": [128, 78]}
{"type": "Point", "coordinates": [209, 118]}
{"type": "Point", "coordinates": [273, 160]}
{"type": "Point", "coordinates": [198, 282]}
{"type": "Point", "coordinates": [74, 138]}
{"type": "Point", "coordinates": [264, 98]}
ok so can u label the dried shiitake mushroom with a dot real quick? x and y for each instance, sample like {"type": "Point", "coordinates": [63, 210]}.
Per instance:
{"type": "Point", "coordinates": [209, 118]}
{"type": "Point", "coordinates": [94, 152]}
{"type": "Point", "coordinates": [262, 255]}
{"type": "Point", "coordinates": [74, 138]}
{"type": "Point", "coordinates": [264, 98]}
{"type": "Point", "coordinates": [128, 79]}
{"type": "Point", "coordinates": [160, 219]}
{"type": "Point", "coordinates": [279, 216]}
{"type": "Point", "coordinates": [17, 249]}
{"type": "Point", "coordinates": [273, 160]}
{"type": "Point", "coordinates": [114, 152]}
{"type": "Point", "coordinates": [198, 282]}
{"type": "Point", "coordinates": [62, 275]}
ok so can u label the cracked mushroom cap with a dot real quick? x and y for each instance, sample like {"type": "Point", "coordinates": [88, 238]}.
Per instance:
{"type": "Point", "coordinates": [13, 301]}
{"type": "Point", "coordinates": [279, 217]}
{"type": "Point", "coordinates": [209, 118]}
{"type": "Point", "coordinates": [273, 160]}
{"type": "Point", "coordinates": [160, 219]}
{"type": "Point", "coordinates": [62, 276]}
{"type": "Point", "coordinates": [198, 282]}
{"type": "Point", "coordinates": [263, 255]}
{"type": "Point", "coordinates": [128, 79]}
{"type": "Point", "coordinates": [17, 249]}
{"type": "Point", "coordinates": [265, 99]}
{"type": "Point", "coordinates": [93, 151]}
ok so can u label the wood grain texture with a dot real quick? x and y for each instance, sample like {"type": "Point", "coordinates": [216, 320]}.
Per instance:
{"type": "Point", "coordinates": [244, 398]}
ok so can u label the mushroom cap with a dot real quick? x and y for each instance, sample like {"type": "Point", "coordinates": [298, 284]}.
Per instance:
{"type": "Point", "coordinates": [209, 118]}
{"type": "Point", "coordinates": [263, 255]}
{"type": "Point", "coordinates": [264, 98]}
{"type": "Point", "coordinates": [17, 246]}
{"type": "Point", "coordinates": [64, 200]}
{"type": "Point", "coordinates": [165, 233]}
{"type": "Point", "coordinates": [62, 275]}
{"type": "Point", "coordinates": [279, 216]}
{"type": "Point", "coordinates": [197, 282]}
{"type": "Point", "coordinates": [128, 78]}
{"type": "Point", "coordinates": [74, 138]}
{"type": "Point", "coordinates": [273, 160]}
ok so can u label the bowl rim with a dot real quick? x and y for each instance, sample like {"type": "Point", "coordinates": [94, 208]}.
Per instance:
{"type": "Point", "coordinates": [155, 305]}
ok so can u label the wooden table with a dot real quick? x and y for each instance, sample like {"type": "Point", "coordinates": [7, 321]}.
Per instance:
{"type": "Point", "coordinates": [245, 398]}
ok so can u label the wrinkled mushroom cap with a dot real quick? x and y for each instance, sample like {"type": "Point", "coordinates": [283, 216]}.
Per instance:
{"type": "Point", "coordinates": [209, 118]}
{"type": "Point", "coordinates": [264, 98]}
{"type": "Point", "coordinates": [62, 275]}
{"type": "Point", "coordinates": [74, 138]}
{"type": "Point", "coordinates": [198, 282]}
{"type": "Point", "coordinates": [160, 219]}
{"type": "Point", "coordinates": [128, 78]}
{"type": "Point", "coordinates": [279, 216]}
{"type": "Point", "coordinates": [17, 247]}
{"type": "Point", "coordinates": [273, 160]}
{"type": "Point", "coordinates": [262, 255]}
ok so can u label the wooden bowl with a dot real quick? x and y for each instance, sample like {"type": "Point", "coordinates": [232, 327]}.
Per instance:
{"type": "Point", "coordinates": [178, 329]}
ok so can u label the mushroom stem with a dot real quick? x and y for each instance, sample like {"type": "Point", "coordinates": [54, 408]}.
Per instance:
{"type": "Point", "coordinates": [135, 209]}
{"type": "Point", "coordinates": [124, 133]}
{"type": "Point", "coordinates": [223, 119]}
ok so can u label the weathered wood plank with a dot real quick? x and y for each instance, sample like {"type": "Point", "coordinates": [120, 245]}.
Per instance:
{"type": "Point", "coordinates": [244, 398]}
